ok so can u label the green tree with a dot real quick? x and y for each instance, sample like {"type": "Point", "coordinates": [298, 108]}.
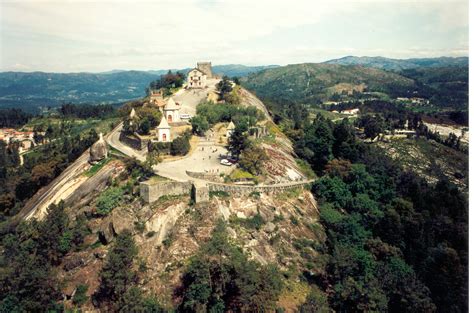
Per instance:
{"type": "Point", "coordinates": [180, 146]}
{"type": "Point", "coordinates": [118, 276]}
{"type": "Point", "coordinates": [144, 127]}
{"type": "Point", "coordinates": [316, 302]}
{"type": "Point", "coordinates": [238, 140]}
{"type": "Point", "coordinates": [373, 125]}
{"type": "Point", "coordinates": [333, 190]}
{"type": "Point", "coordinates": [199, 124]}
{"type": "Point", "coordinates": [252, 158]}
{"type": "Point", "coordinates": [220, 278]}
{"type": "Point", "coordinates": [224, 87]}
{"type": "Point", "coordinates": [316, 144]}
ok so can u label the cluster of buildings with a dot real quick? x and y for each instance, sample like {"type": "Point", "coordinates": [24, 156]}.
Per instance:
{"type": "Point", "coordinates": [354, 111]}
{"type": "Point", "coordinates": [24, 138]}
{"type": "Point", "coordinates": [196, 79]}
{"type": "Point", "coordinates": [414, 100]}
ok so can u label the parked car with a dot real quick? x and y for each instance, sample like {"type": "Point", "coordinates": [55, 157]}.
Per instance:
{"type": "Point", "coordinates": [226, 162]}
{"type": "Point", "coordinates": [232, 160]}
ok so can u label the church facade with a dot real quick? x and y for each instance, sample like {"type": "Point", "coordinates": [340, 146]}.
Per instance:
{"type": "Point", "coordinates": [197, 79]}
{"type": "Point", "coordinates": [198, 76]}
{"type": "Point", "coordinates": [163, 131]}
{"type": "Point", "coordinates": [171, 111]}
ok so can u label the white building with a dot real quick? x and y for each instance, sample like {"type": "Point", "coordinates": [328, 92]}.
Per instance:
{"type": "Point", "coordinates": [230, 129]}
{"type": "Point", "coordinates": [197, 78]}
{"type": "Point", "coordinates": [350, 111]}
{"type": "Point", "coordinates": [163, 131]}
{"type": "Point", "coordinates": [171, 111]}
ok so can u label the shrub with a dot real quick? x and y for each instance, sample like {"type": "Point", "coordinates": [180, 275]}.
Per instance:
{"type": "Point", "coordinates": [255, 194]}
{"type": "Point", "coordinates": [80, 297]}
{"type": "Point", "coordinates": [294, 220]}
{"type": "Point", "coordinates": [139, 226]}
{"type": "Point", "coordinates": [219, 194]}
{"type": "Point", "coordinates": [254, 222]}
{"type": "Point", "coordinates": [180, 146]}
{"type": "Point", "coordinates": [150, 234]}
{"type": "Point", "coordinates": [108, 200]}
{"type": "Point", "coordinates": [159, 147]}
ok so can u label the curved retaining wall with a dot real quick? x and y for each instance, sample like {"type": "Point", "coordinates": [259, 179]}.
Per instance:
{"type": "Point", "coordinates": [152, 190]}
{"type": "Point", "coordinates": [204, 176]}
{"type": "Point", "coordinates": [244, 190]}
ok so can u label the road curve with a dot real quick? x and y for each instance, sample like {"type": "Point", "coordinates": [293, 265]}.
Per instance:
{"type": "Point", "coordinates": [113, 139]}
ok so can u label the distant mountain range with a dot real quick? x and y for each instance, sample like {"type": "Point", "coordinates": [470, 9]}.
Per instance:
{"type": "Point", "coordinates": [231, 70]}
{"type": "Point", "coordinates": [32, 90]}
{"type": "Point", "coordinates": [400, 64]}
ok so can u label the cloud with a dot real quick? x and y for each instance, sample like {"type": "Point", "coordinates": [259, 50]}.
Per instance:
{"type": "Point", "coordinates": [100, 35]}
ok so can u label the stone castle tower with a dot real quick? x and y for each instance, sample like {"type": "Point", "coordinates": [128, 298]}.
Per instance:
{"type": "Point", "coordinates": [206, 68]}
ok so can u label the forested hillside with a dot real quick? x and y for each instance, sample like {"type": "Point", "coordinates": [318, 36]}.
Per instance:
{"type": "Point", "coordinates": [311, 83]}
{"type": "Point", "coordinates": [401, 64]}
{"type": "Point", "coordinates": [441, 88]}
{"type": "Point", "coordinates": [444, 86]}
{"type": "Point", "coordinates": [31, 90]}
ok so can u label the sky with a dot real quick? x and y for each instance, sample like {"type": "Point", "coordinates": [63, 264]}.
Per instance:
{"type": "Point", "coordinates": [95, 36]}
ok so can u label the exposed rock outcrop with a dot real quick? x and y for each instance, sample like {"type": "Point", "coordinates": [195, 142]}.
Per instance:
{"type": "Point", "coordinates": [98, 150]}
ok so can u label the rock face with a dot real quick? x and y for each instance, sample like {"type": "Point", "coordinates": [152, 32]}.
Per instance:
{"type": "Point", "coordinates": [98, 150]}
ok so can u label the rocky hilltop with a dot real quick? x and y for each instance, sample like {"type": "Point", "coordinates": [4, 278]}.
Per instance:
{"type": "Point", "coordinates": [271, 224]}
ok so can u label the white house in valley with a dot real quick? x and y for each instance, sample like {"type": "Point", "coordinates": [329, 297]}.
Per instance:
{"type": "Point", "coordinates": [163, 131]}
{"type": "Point", "coordinates": [350, 111]}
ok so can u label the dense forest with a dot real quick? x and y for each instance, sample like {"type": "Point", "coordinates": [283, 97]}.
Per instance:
{"type": "Point", "coordinates": [13, 118]}
{"type": "Point", "coordinates": [395, 243]}
{"type": "Point", "coordinates": [86, 110]}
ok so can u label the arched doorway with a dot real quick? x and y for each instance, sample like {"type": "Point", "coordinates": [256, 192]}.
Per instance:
{"type": "Point", "coordinates": [170, 118]}
{"type": "Point", "coordinates": [164, 137]}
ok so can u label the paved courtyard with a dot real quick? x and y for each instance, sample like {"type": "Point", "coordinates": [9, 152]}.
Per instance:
{"type": "Point", "coordinates": [205, 158]}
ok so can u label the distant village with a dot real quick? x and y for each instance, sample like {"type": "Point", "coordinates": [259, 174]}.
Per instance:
{"type": "Point", "coordinates": [25, 139]}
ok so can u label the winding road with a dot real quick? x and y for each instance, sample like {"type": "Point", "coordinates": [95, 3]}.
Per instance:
{"type": "Point", "coordinates": [205, 158]}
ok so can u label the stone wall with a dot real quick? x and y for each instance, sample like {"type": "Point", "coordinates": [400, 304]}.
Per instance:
{"type": "Point", "coordinates": [245, 189]}
{"type": "Point", "coordinates": [205, 176]}
{"type": "Point", "coordinates": [134, 141]}
{"type": "Point", "coordinates": [200, 192]}
{"type": "Point", "coordinates": [151, 190]}
{"type": "Point", "coordinates": [206, 68]}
